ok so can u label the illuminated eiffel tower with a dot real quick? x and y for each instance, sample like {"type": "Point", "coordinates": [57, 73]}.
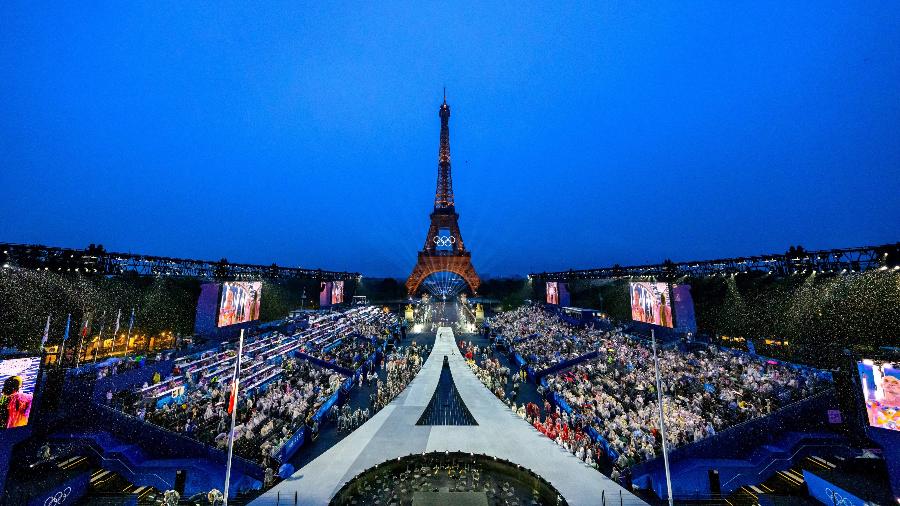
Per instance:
{"type": "Point", "coordinates": [444, 249]}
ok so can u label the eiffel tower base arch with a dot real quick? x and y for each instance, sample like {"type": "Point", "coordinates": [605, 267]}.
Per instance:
{"type": "Point", "coordinates": [429, 264]}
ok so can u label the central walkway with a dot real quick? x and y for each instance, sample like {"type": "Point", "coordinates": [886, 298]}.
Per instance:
{"type": "Point", "coordinates": [393, 433]}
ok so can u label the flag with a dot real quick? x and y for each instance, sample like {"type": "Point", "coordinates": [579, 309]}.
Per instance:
{"type": "Point", "coordinates": [85, 325]}
{"type": "Point", "coordinates": [232, 400]}
{"type": "Point", "coordinates": [131, 322]}
{"type": "Point", "coordinates": [68, 321]}
{"type": "Point", "coordinates": [46, 332]}
{"type": "Point", "coordinates": [117, 325]}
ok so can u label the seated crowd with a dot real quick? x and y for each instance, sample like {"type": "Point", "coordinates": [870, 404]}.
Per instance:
{"type": "Point", "coordinates": [706, 391]}
{"type": "Point", "coordinates": [266, 417]}
{"type": "Point", "coordinates": [543, 339]}
{"type": "Point", "coordinates": [401, 366]}
{"type": "Point", "coordinates": [488, 369]}
{"type": "Point", "coordinates": [278, 393]}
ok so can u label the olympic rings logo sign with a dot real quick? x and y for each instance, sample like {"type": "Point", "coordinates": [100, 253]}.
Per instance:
{"type": "Point", "coordinates": [444, 240]}
{"type": "Point", "coordinates": [59, 497]}
{"type": "Point", "coordinates": [837, 499]}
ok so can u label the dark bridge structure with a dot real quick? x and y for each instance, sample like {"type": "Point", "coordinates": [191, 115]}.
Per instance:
{"type": "Point", "coordinates": [795, 261]}
{"type": "Point", "coordinates": [444, 250]}
{"type": "Point", "coordinates": [95, 260]}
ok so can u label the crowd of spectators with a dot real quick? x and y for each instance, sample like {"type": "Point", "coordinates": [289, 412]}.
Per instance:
{"type": "Point", "coordinates": [400, 366]}
{"type": "Point", "coordinates": [706, 390]}
{"type": "Point", "coordinates": [266, 417]}
{"type": "Point", "coordinates": [278, 393]}
{"type": "Point", "coordinates": [542, 338]}
{"type": "Point", "coordinates": [495, 376]}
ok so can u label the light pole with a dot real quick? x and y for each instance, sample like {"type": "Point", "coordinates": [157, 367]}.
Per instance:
{"type": "Point", "coordinates": [662, 420]}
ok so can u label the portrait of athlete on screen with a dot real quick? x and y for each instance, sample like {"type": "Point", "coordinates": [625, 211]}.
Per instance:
{"type": "Point", "coordinates": [15, 405]}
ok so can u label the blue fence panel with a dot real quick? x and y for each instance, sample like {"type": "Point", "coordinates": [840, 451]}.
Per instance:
{"type": "Point", "coordinates": [290, 447]}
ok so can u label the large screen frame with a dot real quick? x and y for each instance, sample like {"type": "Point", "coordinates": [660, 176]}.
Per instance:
{"type": "Point", "coordinates": [337, 292]}
{"type": "Point", "coordinates": [552, 295]}
{"type": "Point", "coordinates": [651, 302]}
{"type": "Point", "coordinates": [28, 390]}
{"type": "Point", "coordinates": [882, 405]}
{"type": "Point", "coordinates": [252, 307]}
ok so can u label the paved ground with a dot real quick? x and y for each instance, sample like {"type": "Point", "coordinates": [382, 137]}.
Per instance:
{"type": "Point", "coordinates": [393, 433]}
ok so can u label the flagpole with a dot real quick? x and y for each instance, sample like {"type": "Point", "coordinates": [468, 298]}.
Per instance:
{"type": "Point", "coordinates": [662, 421]}
{"type": "Point", "coordinates": [46, 333]}
{"type": "Point", "coordinates": [62, 347]}
{"type": "Point", "coordinates": [234, 407]}
{"type": "Point", "coordinates": [112, 350]}
{"type": "Point", "coordinates": [100, 337]}
{"type": "Point", "coordinates": [84, 332]}
{"type": "Point", "coordinates": [130, 326]}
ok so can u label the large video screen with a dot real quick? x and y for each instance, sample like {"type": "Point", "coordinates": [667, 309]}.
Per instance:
{"type": "Point", "coordinates": [239, 302]}
{"type": "Point", "coordinates": [19, 377]}
{"type": "Point", "coordinates": [881, 390]}
{"type": "Point", "coordinates": [337, 292]}
{"type": "Point", "coordinates": [650, 303]}
{"type": "Point", "coordinates": [552, 292]}
{"type": "Point", "coordinates": [325, 289]}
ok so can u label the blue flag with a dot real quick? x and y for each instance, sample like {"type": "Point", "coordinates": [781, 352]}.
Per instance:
{"type": "Point", "coordinates": [68, 321]}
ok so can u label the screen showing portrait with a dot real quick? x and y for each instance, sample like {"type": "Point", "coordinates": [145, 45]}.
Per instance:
{"type": "Point", "coordinates": [650, 303]}
{"type": "Point", "coordinates": [239, 302]}
{"type": "Point", "coordinates": [337, 292]}
{"type": "Point", "coordinates": [552, 292]}
{"type": "Point", "coordinates": [881, 391]}
{"type": "Point", "coordinates": [19, 377]}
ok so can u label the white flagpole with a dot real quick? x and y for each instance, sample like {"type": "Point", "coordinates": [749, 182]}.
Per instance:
{"type": "Point", "coordinates": [46, 333]}
{"type": "Point", "coordinates": [662, 421]}
{"type": "Point", "coordinates": [100, 338]}
{"type": "Point", "coordinates": [234, 393]}
{"type": "Point", "coordinates": [130, 326]}
{"type": "Point", "coordinates": [112, 349]}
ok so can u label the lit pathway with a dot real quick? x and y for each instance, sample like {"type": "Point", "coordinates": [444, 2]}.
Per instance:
{"type": "Point", "coordinates": [393, 433]}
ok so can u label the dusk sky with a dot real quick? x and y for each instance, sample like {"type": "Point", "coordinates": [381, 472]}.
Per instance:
{"type": "Point", "coordinates": [307, 135]}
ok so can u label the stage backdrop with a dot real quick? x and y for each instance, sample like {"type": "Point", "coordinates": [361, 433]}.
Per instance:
{"type": "Point", "coordinates": [684, 309]}
{"type": "Point", "coordinates": [207, 309]}
{"type": "Point", "coordinates": [325, 290]}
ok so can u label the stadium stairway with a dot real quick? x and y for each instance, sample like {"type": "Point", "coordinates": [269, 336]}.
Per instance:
{"type": "Point", "coordinates": [131, 463]}
{"type": "Point", "coordinates": [109, 487]}
{"type": "Point", "coordinates": [787, 485]}
{"type": "Point", "coordinates": [691, 479]}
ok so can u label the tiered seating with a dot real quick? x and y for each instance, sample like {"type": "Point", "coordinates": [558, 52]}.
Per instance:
{"type": "Point", "coordinates": [612, 398]}
{"type": "Point", "coordinates": [279, 394]}
{"type": "Point", "coordinates": [542, 338]}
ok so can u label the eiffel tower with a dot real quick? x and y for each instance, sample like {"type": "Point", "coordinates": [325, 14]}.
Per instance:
{"type": "Point", "coordinates": [444, 250]}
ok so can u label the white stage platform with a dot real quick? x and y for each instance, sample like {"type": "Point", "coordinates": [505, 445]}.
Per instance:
{"type": "Point", "coordinates": [393, 433]}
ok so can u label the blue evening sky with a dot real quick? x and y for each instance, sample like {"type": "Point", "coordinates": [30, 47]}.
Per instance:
{"type": "Point", "coordinates": [305, 133]}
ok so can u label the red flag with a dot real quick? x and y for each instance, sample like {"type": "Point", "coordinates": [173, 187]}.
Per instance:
{"type": "Point", "coordinates": [232, 399]}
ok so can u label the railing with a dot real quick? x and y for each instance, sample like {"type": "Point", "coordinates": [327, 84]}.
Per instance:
{"type": "Point", "coordinates": [161, 485]}
{"type": "Point", "coordinates": [141, 431]}
{"type": "Point", "coordinates": [762, 475]}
